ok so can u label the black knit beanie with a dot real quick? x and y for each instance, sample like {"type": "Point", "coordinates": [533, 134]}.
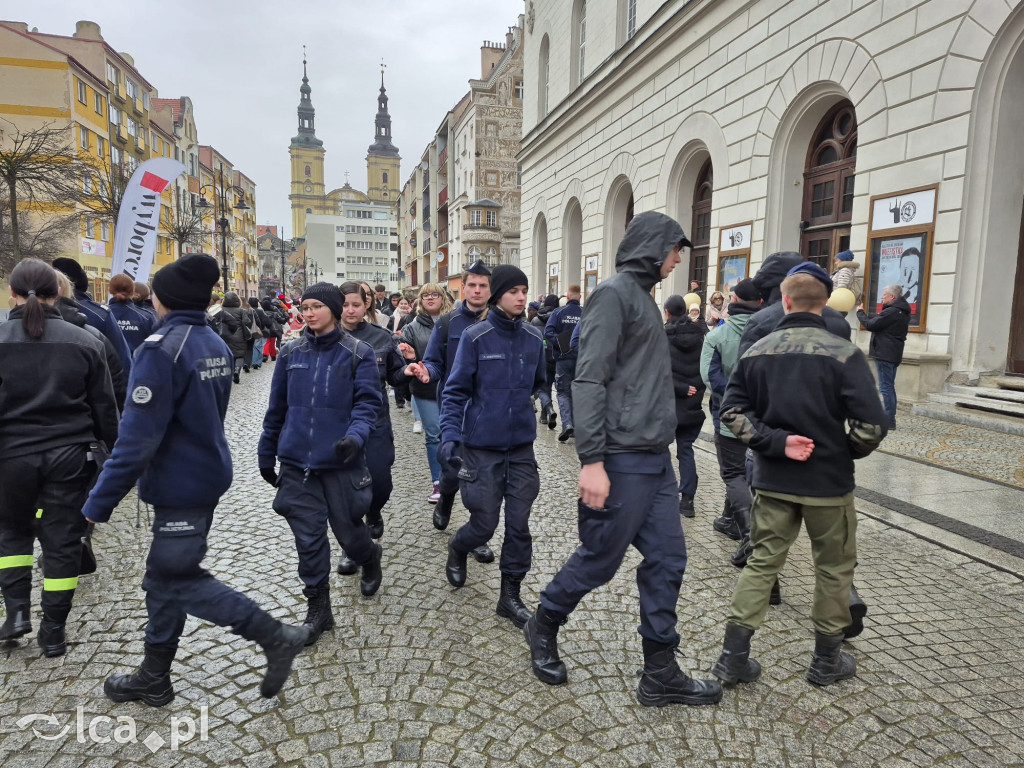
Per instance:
{"type": "Point", "coordinates": [551, 301]}
{"type": "Point", "coordinates": [328, 295]}
{"type": "Point", "coordinates": [504, 278]}
{"type": "Point", "coordinates": [74, 272]}
{"type": "Point", "coordinates": [187, 283]}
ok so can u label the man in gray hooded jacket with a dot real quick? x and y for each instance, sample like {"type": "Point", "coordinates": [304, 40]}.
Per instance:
{"type": "Point", "coordinates": [625, 422]}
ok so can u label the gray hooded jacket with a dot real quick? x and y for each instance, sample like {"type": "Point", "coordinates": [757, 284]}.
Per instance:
{"type": "Point", "coordinates": [623, 400]}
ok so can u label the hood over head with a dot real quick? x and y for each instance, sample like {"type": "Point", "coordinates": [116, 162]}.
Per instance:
{"type": "Point", "coordinates": [772, 272]}
{"type": "Point", "coordinates": [648, 239]}
{"type": "Point", "coordinates": [901, 304]}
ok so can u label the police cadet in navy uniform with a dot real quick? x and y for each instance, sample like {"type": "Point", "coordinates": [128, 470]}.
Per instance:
{"type": "Point", "coordinates": [172, 435]}
{"type": "Point", "coordinates": [325, 398]}
{"type": "Point", "coordinates": [380, 445]}
{"type": "Point", "coordinates": [486, 409]}
{"type": "Point", "coordinates": [439, 359]}
{"type": "Point", "coordinates": [625, 422]}
{"type": "Point", "coordinates": [97, 315]}
{"type": "Point", "coordinates": [558, 334]}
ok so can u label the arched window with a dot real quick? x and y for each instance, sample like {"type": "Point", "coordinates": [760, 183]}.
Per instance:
{"type": "Point", "coordinates": [385, 177]}
{"type": "Point", "coordinates": [579, 41]}
{"type": "Point", "coordinates": [309, 210]}
{"type": "Point", "coordinates": [543, 71]}
{"type": "Point", "coordinates": [828, 186]}
{"type": "Point", "coordinates": [700, 229]}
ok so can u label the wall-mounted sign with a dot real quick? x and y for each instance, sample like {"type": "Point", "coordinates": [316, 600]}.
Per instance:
{"type": "Point", "coordinates": [900, 236]}
{"type": "Point", "coordinates": [907, 209]}
{"type": "Point", "coordinates": [553, 270]}
{"type": "Point", "coordinates": [93, 247]}
{"type": "Point", "coordinates": [589, 274]}
{"type": "Point", "coordinates": [591, 263]}
{"type": "Point", "coordinates": [734, 254]}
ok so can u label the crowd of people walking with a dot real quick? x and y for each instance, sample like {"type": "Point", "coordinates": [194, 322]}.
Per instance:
{"type": "Point", "coordinates": [140, 390]}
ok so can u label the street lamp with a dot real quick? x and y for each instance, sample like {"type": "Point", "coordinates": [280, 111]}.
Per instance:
{"type": "Point", "coordinates": [220, 195]}
{"type": "Point", "coordinates": [284, 290]}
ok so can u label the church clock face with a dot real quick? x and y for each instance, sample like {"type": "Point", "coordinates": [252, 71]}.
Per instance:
{"type": "Point", "coordinates": [309, 188]}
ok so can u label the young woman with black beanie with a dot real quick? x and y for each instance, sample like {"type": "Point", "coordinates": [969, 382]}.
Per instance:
{"type": "Point", "coordinates": [56, 399]}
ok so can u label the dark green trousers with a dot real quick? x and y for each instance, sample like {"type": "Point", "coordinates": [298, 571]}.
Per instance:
{"type": "Point", "coordinates": [775, 523]}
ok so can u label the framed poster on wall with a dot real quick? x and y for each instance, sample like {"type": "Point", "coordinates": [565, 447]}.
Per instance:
{"type": "Point", "coordinates": [733, 255]}
{"type": "Point", "coordinates": [589, 274]}
{"type": "Point", "coordinates": [900, 239]}
{"type": "Point", "coordinates": [553, 270]}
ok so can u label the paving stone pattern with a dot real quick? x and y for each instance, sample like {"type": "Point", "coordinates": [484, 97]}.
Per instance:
{"type": "Point", "coordinates": [425, 675]}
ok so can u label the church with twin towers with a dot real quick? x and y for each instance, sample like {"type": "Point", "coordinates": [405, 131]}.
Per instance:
{"type": "Point", "coordinates": [348, 234]}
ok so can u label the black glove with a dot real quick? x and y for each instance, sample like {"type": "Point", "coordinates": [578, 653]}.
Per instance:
{"type": "Point", "coordinates": [269, 475]}
{"type": "Point", "coordinates": [446, 454]}
{"type": "Point", "coordinates": [347, 449]}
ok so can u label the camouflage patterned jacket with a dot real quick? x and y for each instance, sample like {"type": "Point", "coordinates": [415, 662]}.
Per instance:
{"type": "Point", "coordinates": [803, 380]}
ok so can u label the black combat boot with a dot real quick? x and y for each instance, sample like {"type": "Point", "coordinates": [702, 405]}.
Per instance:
{"type": "Point", "coordinates": [51, 638]}
{"type": "Point", "coordinates": [19, 618]}
{"type": "Point", "coordinates": [443, 511]}
{"type": "Point", "coordinates": [281, 643]}
{"type": "Point", "coordinates": [455, 568]}
{"type": "Point", "coordinates": [319, 616]}
{"type": "Point", "coordinates": [663, 682]}
{"type": "Point", "coordinates": [734, 665]}
{"type": "Point", "coordinates": [483, 554]}
{"type": "Point", "coordinates": [552, 418]}
{"type": "Point", "coordinates": [150, 683]}
{"type": "Point", "coordinates": [726, 523]}
{"type": "Point", "coordinates": [510, 606]}
{"type": "Point", "coordinates": [775, 597]}
{"type": "Point", "coordinates": [829, 664]}
{"type": "Point", "coordinates": [686, 505]}
{"type": "Point", "coordinates": [375, 522]}
{"type": "Point", "coordinates": [373, 574]}
{"type": "Point", "coordinates": [541, 633]}
{"type": "Point", "coordinates": [346, 565]}
{"type": "Point", "coordinates": [544, 414]}
{"type": "Point", "coordinates": [858, 610]}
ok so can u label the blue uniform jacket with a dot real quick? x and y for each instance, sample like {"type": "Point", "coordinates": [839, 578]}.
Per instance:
{"type": "Point", "coordinates": [172, 428]}
{"type": "Point", "coordinates": [99, 317]}
{"type": "Point", "coordinates": [561, 324]}
{"type": "Point", "coordinates": [325, 388]}
{"type": "Point", "coordinates": [486, 402]}
{"type": "Point", "coordinates": [135, 324]}
{"type": "Point", "coordinates": [390, 363]}
{"type": "Point", "coordinates": [444, 342]}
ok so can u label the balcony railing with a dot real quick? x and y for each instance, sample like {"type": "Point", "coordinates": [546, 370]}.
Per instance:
{"type": "Point", "coordinates": [442, 197]}
{"type": "Point", "coordinates": [443, 157]}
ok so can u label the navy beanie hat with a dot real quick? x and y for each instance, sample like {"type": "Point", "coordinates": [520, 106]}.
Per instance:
{"type": "Point", "coordinates": [812, 269]}
{"type": "Point", "coordinates": [845, 256]}
{"type": "Point", "coordinates": [504, 278]}
{"type": "Point", "coordinates": [745, 290]}
{"type": "Point", "coordinates": [328, 295]}
{"type": "Point", "coordinates": [187, 283]}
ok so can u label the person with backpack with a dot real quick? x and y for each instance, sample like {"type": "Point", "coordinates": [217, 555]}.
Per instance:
{"type": "Point", "coordinates": [235, 331]}
{"type": "Point", "coordinates": [263, 323]}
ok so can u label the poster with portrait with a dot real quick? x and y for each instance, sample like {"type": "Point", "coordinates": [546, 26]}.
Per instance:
{"type": "Point", "coordinates": [731, 269]}
{"type": "Point", "coordinates": [899, 261]}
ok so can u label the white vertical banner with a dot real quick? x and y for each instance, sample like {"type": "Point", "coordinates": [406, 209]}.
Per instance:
{"type": "Point", "coordinates": [139, 219]}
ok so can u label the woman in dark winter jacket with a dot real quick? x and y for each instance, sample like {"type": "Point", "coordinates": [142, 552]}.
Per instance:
{"type": "Point", "coordinates": [547, 407]}
{"type": "Point", "coordinates": [234, 329]}
{"type": "Point", "coordinates": [685, 341]}
{"type": "Point", "coordinates": [263, 323]}
{"type": "Point", "coordinates": [56, 403]}
{"type": "Point", "coordinates": [136, 324]}
{"type": "Point", "coordinates": [433, 302]}
{"type": "Point", "coordinates": [380, 446]}
{"type": "Point", "coordinates": [270, 346]}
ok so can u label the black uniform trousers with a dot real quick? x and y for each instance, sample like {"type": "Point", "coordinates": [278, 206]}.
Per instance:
{"type": "Point", "coordinates": [732, 466]}
{"type": "Point", "coordinates": [380, 457]}
{"type": "Point", "coordinates": [177, 585]}
{"type": "Point", "coordinates": [487, 478]}
{"type": "Point", "coordinates": [449, 482]}
{"type": "Point", "coordinates": [310, 501]}
{"type": "Point", "coordinates": [41, 495]}
{"type": "Point", "coordinates": [642, 510]}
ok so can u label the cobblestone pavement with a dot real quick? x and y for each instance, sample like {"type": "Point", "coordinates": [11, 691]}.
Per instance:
{"type": "Point", "coordinates": [424, 675]}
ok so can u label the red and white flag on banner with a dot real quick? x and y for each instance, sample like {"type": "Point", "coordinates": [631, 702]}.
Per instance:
{"type": "Point", "coordinates": [138, 222]}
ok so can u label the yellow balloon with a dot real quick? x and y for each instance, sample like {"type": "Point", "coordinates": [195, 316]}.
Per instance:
{"type": "Point", "coordinates": [691, 298]}
{"type": "Point", "coordinates": [842, 300]}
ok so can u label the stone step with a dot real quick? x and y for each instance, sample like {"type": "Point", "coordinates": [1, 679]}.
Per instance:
{"type": "Point", "coordinates": [1010, 382]}
{"type": "Point", "coordinates": [955, 414]}
{"type": "Point", "coordinates": [984, 393]}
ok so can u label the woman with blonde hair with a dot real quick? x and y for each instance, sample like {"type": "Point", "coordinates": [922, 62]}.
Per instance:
{"type": "Point", "coordinates": [433, 302]}
{"type": "Point", "coordinates": [718, 310]}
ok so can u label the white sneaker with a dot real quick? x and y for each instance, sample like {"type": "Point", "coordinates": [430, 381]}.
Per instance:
{"type": "Point", "coordinates": [417, 426]}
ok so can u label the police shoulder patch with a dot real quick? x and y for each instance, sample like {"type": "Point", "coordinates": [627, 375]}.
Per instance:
{"type": "Point", "coordinates": [154, 337]}
{"type": "Point", "coordinates": [142, 395]}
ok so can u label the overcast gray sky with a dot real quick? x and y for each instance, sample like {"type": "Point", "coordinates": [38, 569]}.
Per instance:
{"type": "Point", "coordinates": [241, 64]}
